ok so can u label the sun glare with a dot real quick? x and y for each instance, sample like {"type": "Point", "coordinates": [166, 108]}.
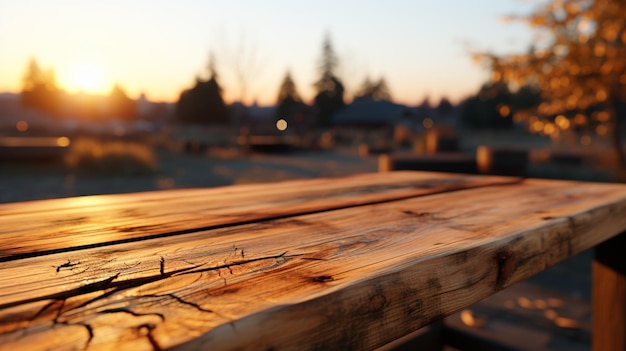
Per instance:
{"type": "Point", "coordinates": [86, 77]}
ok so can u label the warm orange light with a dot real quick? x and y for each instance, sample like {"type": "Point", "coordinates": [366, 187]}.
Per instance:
{"type": "Point", "coordinates": [602, 116]}
{"type": "Point", "coordinates": [540, 304]}
{"type": "Point", "coordinates": [580, 119]}
{"type": "Point", "coordinates": [86, 77]}
{"type": "Point", "coordinates": [21, 126]}
{"type": "Point", "coordinates": [549, 128]}
{"type": "Point", "coordinates": [550, 314]}
{"type": "Point", "coordinates": [606, 68]}
{"type": "Point", "coordinates": [63, 141]}
{"type": "Point", "coordinates": [554, 83]}
{"type": "Point", "coordinates": [467, 317]}
{"type": "Point", "coordinates": [571, 102]}
{"type": "Point", "coordinates": [602, 130]}
{"type": "Point", "coordinates": [537, 126]}
{"type": "Point", "coordinates": [525, 302]}
{"type": "Point", "coordinates": [554, 302]}
{"type": "Point", "coordinates": [427, 123]}
{"type": "Point", "coordinates": [599, 50]}
{"type": "Point", "coordinates": [585, 140]}
{"type": "Point", "coordinates": [544, 108]}
{"type": "Point", "coordinates": [562, 122]}
{"type": "Point", "coordinates": [566, 323]}
{"type": "Point", "coordinates": [504, 110]}
{"type": "Point", "coordinates": [496, 76]}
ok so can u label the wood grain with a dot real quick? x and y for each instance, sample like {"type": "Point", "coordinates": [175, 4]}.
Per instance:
{"type": "Point", "coordinates": [65, 225]}
{"type": "Point", "coordinates": [350, 278]}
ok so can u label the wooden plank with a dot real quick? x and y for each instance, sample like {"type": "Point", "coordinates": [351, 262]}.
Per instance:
{"type": "Point", "coordinates": [65, 225]}
{"type": "Point", "coordinates": [354, 278]}
{"type": "Point", "coordinates": [609, 295]}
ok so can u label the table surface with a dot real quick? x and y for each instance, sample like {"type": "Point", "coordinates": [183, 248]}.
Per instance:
{"type": "Point", "coordinates": [349, 263]}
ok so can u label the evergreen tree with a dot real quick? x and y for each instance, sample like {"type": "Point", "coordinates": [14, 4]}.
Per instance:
{"type": "Point", "coordinates": [374, 90]}
{"type": "Point", "coordinates": [120, 105]}
{"type": "Point", "coordinates": [203, 103]}
{"type": "Point", "coordinates": [424, 108]}
{"type": "Point", "coordinates": [40, 90]}
{"type": "Point", "coordinates": [288, 97]}
{"type": "Point", "coordinates": [481, 111]}
{"type": "Point", "coordinates": [445, 107]}
{"type": "Point", "coordinates": [330, 90]}
{"type": "Point", "coordinates": [494, 106]}
{"type": "Point", "coordinates": [581, 66]}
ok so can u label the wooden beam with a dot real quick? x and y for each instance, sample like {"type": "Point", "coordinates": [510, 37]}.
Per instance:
{"type": "Point", "coordinates": [609, 295]}
{"type": "Point", "coordinates": [65, 225]}
{"type": "Point", "coordinates": [351, 278]}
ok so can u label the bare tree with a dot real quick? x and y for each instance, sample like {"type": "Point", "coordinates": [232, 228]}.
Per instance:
{"type": "Point", "coordinates": [242, 59]}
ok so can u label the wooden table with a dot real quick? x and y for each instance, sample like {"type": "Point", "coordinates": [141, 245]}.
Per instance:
{"type": "Point", "coordinates": [323, 264]}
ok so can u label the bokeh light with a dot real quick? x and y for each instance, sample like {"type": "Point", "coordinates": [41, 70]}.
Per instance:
{"type": "Point", "coordinates": [63, 141]}
{"type": "Point", "coordinates": [585, 140]}
{"type": "Point", "coordinates": [21, 126]}
{"type": "Point", "coordinates": [281, 124]}
{"type": "Point", "coordinates": [428, 123]}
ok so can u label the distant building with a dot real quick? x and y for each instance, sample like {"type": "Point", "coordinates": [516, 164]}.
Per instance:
{"type": "Point", "coordinates": [144, 107]}
{"type": "Point", "coordinates": [257, 120]}
{"type": "Point", "coordinates": [370, 114]}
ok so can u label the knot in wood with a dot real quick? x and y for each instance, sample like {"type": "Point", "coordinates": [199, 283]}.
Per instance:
{"type": "Point", "coordinates": [323, 279]}
{"type": "Point", "coordinates": [505, 265]}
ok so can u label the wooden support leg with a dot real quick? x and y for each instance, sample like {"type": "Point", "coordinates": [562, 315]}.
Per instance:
{"type": "Point", "coordinates": [609, 295]}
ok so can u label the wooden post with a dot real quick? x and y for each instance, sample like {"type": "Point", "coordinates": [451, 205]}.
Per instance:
{"type": "Point", "coordinates": [609, 295]}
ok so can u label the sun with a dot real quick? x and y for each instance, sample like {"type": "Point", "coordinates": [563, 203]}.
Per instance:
{"type": "Point", "coordinates": [87, 77]}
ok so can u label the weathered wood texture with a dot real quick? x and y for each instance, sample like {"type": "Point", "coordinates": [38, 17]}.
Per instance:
{"type": "Point", "coordinates": [348, 278]}
{"type": "Point", "coordinates": [63, 225]}
{"type": "Point", "coordinates": [609, 295]}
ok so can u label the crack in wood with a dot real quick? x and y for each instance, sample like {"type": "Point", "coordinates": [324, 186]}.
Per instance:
{"type": "Point", "coordinates": [180, 300]}
{"type": "Point", "coordinates": [67, 264]}
{"type": "Point", "coordinates": [132, 313]}
{"type": "Point", "coordinates": [116, 286]}
{"type": "Point", "coordinates": [147, 329]}
{"type": "Point", "coordinates": [89, 333]}
{"type": "Point", "coordinates": [219, 274]}
{"type": "Point", "coordinates": [58, 304]}
{"type": "Point", "coordinates": [112, 285]}
{"type": "Point", "coordinates": [88, 328]}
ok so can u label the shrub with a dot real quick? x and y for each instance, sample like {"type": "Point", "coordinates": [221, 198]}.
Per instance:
{"type": "Point", "coordinates": [97, 157]}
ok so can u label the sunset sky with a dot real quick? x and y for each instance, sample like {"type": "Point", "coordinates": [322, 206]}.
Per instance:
{"type": "Point", "coordinates": [159, 47]}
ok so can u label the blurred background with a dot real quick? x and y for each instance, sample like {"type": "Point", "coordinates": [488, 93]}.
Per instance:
{"type": "Point", "coordinates": [118, 96]}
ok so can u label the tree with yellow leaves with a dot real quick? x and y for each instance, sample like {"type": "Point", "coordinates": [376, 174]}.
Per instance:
{"type": "Point", "coordinates": [580, 68]}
